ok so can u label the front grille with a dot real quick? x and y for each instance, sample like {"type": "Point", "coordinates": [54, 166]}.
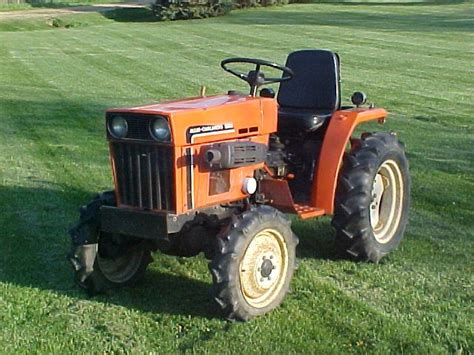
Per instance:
{"type": "Point", "coordinates": [144, 175]}
{"type": "Point", "coordinates": [138, 127]}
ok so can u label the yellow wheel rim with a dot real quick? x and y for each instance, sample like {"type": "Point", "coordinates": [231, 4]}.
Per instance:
{"type": "Point", "coordinates": [121, 269]}
{"type": "Point", "coordinates": [263, 268]}
{"type": "Point", "coordinates": [387, 201]}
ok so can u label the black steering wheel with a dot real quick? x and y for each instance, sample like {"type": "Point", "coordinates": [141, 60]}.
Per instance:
{"type": "Point", "coordinates": [256, 78]}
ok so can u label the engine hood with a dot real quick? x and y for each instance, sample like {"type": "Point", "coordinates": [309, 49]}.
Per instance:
{"type": "Point", "coordinates": [213, 118]}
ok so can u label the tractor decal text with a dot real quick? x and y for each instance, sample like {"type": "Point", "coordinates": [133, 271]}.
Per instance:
{"type": "Point", "coordinates": [208, 130]}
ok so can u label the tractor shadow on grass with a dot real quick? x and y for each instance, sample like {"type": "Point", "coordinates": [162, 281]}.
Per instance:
{"type": "Point", "coordinates": [316, 239]}
{"type": "Point", "coordinates": [166, 293]}
{"type": "Point", "coordinates": [34, 243]}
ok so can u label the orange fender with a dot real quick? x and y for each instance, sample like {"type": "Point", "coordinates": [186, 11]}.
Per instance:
{"type": "Point", "coordinates": [340, 129]}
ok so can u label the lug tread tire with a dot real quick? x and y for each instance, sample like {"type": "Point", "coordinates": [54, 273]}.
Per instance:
{"type": "Point", "coordinates": [232, 243]}
{"type": "Point", "coordinates": [354, 236]}
{"type": "Point", "coordinates": [86, 232]}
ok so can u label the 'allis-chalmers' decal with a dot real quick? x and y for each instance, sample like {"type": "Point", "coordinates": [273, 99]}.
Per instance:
{"type": "Point", "coordinates": [208, 130]}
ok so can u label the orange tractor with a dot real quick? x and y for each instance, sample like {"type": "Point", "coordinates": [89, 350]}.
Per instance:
{"type": "Point", "coordinates": [217, 174]}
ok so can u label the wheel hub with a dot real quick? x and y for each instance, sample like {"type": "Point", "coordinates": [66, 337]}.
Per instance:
{"type": "Point", "coordinates": [266, 268]}
{"type": "Point", "coordinates": [267, 273]}
{"type": "Point", "coordinates": [377, 193]}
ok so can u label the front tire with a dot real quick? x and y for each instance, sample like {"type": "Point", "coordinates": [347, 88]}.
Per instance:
{"type": "Point", "coordinates": [372, 198]}
{"type": "Point", "coordinates": [103, 261]}
{"type": "Point", "coordinates": [254, 264]}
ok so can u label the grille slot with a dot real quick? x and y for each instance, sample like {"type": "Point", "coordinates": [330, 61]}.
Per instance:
{"type": "Point", "coordinates": [138, 128]}
{"type": "Point", "coordinates": [144, 175]}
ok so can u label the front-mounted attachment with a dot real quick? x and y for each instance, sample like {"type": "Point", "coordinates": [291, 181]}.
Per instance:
{"type": "Point", "coordinates": [256, 78]}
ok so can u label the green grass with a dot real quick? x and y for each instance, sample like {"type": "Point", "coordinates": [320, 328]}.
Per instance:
{"type": "Point", "coordinates": [54, 87]}
{"type": "Point", "coordinates": [391, 2]}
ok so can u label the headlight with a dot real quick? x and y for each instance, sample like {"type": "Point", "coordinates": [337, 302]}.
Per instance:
{"type": "Point", "coordinates": [118, 127]}
{"type": "Point", "coordinates": [160, 129]}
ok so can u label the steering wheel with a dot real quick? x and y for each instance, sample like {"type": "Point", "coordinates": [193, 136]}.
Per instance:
{"type": "Point", "coordinates": [256, 78]}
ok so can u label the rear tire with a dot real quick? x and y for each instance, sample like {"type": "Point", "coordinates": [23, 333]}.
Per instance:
{"type": "Point", "coordinates": [253, 264]}
{"type": "Point", "coordinates": [104, 261]}
{"type": "Point", "coordinates": [372, 198]}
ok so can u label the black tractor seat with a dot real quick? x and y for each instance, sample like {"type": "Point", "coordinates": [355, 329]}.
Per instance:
{"type": "Point", "coordinates": [301, 121]}
{"type": "Point", "coordinates": [307, 101]}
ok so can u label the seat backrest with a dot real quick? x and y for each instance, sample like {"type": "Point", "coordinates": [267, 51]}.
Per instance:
{"type": "Point", "coordinates": [316, 81]}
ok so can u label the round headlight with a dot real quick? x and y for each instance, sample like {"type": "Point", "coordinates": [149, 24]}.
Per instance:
{"type": "Point", "coordinates": [160, 130]}
{"type": "Point", "coordinates": [118, 127]}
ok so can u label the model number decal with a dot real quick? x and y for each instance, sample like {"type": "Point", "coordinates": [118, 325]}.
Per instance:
{"type": "Point", "coordinates": [213, 128]}
{"type": "Point", "coordinates": [205, 130]}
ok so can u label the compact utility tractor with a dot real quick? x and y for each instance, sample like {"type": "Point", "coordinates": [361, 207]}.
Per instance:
{"type": "Point", "coordinates": [217, 174]}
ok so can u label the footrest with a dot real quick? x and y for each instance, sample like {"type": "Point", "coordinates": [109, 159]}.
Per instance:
{"type": "Point", "coordinates": [305, 211]}
{"type": "Point", "coordinates": [279, 194]}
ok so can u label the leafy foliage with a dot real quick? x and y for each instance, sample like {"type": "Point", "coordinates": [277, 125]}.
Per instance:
{"type": "Point", "coordinates": [195, 9]}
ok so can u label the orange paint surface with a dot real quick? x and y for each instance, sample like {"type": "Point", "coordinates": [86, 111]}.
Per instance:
{"type": "Point", "coordinates": [257, 115]}
{"type": "Point", "coordinates": [197, 122]}
{"type": "Point", "coordinates": [340, 129]}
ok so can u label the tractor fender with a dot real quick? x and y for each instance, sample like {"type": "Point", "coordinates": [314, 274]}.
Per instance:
{"type": "Point", "coordinates": [340, 128]}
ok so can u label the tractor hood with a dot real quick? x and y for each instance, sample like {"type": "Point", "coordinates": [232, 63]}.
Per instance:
{"type": "Point", "coordinates": [213, 118]}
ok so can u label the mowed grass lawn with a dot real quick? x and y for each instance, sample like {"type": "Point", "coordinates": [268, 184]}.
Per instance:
{"type": "Point", "coordinates": [417, 61]}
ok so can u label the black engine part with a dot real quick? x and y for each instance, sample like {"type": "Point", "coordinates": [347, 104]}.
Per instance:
{"type": "Point", "coordinates": [234, 154]}
{"type": "Point", "coordinates": [276, 157]}
{"type": "Point", "coordinates": [196, 236]}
